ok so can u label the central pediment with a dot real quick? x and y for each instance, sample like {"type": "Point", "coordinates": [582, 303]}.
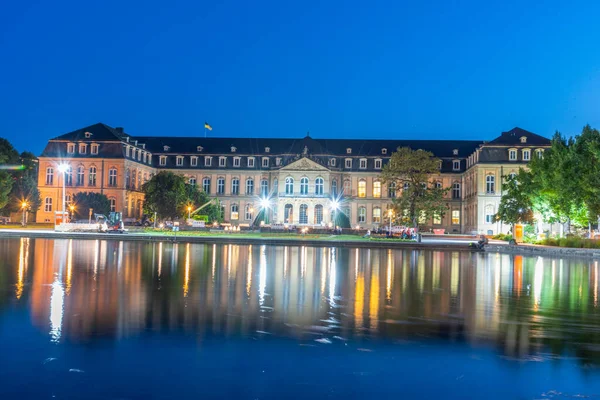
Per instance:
{"type": "Point", "coordinates": [304, 164]}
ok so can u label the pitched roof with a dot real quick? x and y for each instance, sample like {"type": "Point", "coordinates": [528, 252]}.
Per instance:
{"type": "Point", "coordinates": [99, 131]}
{"type": "Point", "coordinates": [514, 137]}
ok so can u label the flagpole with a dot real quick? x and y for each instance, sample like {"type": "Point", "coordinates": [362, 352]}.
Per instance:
{"type": "Point", "coordinates": [204, 130]}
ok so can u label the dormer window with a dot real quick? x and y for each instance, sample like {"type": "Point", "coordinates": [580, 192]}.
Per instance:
{"type": "Point", "coordinates": [378, 163]}
{"type": "Point", "coordinates": [162, 161]}
{"type": "Point", "coordinates": [143, 146]}
{"type": "Point", "coordinates": [71, 148]}
{"type": "Point", "coordinates": [348, 163]}
{"type": "Point", "coordinates": [236, 161]}
{"type": "Point", "coordinates": [222, 161]}
{"type": "Point", "coordinates": [348, 150]}
{"type": "Point", "coordinates": [363, 163]}
{"type": "Point", "coordinates": [523, 139]}
{"type": "Point", "coordinates": [166, 148]}
{"type": "Point", "coordinates": [82, 148]}
{"type": "Point", "coordinates": [88, 135]}
{"type": "Point", "coordinates": [127, 150]}
{"type": "Point", "coordinates": [455, 165]}
{"type": "Point", "coordinates": [267, 149]}
{"type": "Point", "coordinates": [233, 149]}
{"type": "Point", "coordinates": [193, 161]}
{"type": "Point", "coordinates": [455, 152]}
{"type": "Point", "coordinates": [179, 161]}
{"type": "Point", "coordinates": [199, 148]}
{"type": "Point", "coordinates": [512, 154]}
{"type": "Point", "coordinates": [526, 154]}
{"type": "Point", "coordinates": [250, 162]}
{"type": "Point", "coordinates": [94, 148]}
{"type": "Point", "coordinates": [265, 162]}
{"type": "Point", "coordinates": [332, 162]}
{"type": "Point", "coordinates": [383, 151]}
{"type": "Point", "coordinates": [207, 161]}
{"type": "Point", "coordinates": [278, 161]}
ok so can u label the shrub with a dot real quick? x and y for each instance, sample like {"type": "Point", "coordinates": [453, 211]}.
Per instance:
{"type": "Point", "coordinates": [571, 241]}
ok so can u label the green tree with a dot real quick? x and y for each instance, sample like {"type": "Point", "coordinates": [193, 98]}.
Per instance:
{"type": "Point", "coordinates": [197, 198]}
{"type": "Point", "coordinates": [9, 159]}
{"type": "Point", "coordinates": [83, 201]}
{"type": "Point", "coordinates": [411, 170]}
{"type": "Point", "coordinates": [166, 195]}
{"type": "Point", "coordinates": [516, 206]}
{"type": "Point", "coordinates": [25, 187]}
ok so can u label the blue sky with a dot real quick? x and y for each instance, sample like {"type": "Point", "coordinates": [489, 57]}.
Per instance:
{"type": "Point", "coordinates": [438, 69]}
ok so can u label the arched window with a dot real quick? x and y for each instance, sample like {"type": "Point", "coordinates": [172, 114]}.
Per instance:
{"type": "Point", "coordinates": [235, 186]}
{"type": "Point", "coordinates": [264, 187]}
{"type": "Point", "coordinates": [220, 185]}
{"type": "Point", "coordinates": [133, 178]}
{"type": "Point", "coordinates": [437, 185]}
{"type": "Point", "coordinates": [113, 204]}
{"type": "Point", "coordinates": [192, 181]}
{"type": "Point", "coordinates": [69, 176]}
{"type": "Point", "coordinates": [289, 185]}
{"type": "Point", "coordinates": [489, 214]}
{"type": "Point", "coordinates": [456, 190]}
{"type": "Point", "coordinates": [334, 188]}
{"type": "Point", "coordinates": [362, 188]}
{"type": "Point", "coordinates": [319, 186]}
{"type": "Point", "coordinates": [288, 214]}
{"type": "Point", "coordinates": [512, 175]}
{"type": "Point", "coordinates": [406, 186]}
{"type": "Point", "coordinates": [112, 177]}
{"type": "Point", "coordinates": [81, 176]}
{"type": "Point", "coordinates": [303, 218]}
{"type": "Point", "coordinates": [139, 184]}
{"type": "Point", "coordinates": [206, 185]}
{"type": "Point", "coordinates": [304, 185]}
{"type": "Point", "coordinates": [377, 189]}
{"type": "Point", "coordinates": [234, 211]}
{"type": "Point", "coordinates": [49, 176]}
{"type": "Point", "coordinates": [92, 176]}
{"type": "Point", "coordinates": [248, 211]}
{"type": "Point", "coordinates": [249, 186]}
{"type": "Point", "coordinates": [362, 214]}
{"type": "Point", "coordinates": [392, 190]}
{"type": "Point", "coordinates": [490, 183]}
{"type": "Point", "coordinates": [48, 204]}
{"type": "Point", "coordinates": [347, 187]}
{"type": "Point", "coordinates": [318, 214]}
{"type": "Point", "coordinates": [275, 185]}
{"type": "Point", "coordinates": [376, 215]}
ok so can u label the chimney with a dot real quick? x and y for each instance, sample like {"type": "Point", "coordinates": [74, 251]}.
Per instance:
{"type": "Point", "coordinates": [119, 129]}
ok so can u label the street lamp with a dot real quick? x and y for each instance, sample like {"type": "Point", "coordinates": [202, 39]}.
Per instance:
{"type": "Point", "coordinates": [24, 207]}
{"type": "Point", "coordinates": [63, 168]}
{"type": "Point", "coordinates": [72, 209]}
{"type": "Point", "coordinates": [390, 215]}
{"type": "Point", "coordinates": [189, 208]}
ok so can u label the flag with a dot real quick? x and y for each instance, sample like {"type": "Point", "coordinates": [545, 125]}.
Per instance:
{"type": "Point", "coordinates": [207, 126]}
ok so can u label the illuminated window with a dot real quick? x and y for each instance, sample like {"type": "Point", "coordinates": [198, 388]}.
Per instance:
{"type": "Point", "coordinates": [437, 219]}
{"type": "Point", "coordinates": [319, 186]}
{"type": "Point", "coordinates": [455, 217]}
{"type": "Point", "coordinates": [377, 189]}
{"type": "Point", "coordinates": [377, 215]}
{"type": "Point", "coordinates": [362, 188]}
{"type": "Point", "coordinates": [234, 211]}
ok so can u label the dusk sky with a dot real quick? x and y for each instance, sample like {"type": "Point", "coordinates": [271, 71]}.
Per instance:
{"type": "Point", "coordinates": [360, 69]}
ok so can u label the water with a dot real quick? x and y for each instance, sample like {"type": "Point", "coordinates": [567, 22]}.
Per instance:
{"type": "Point", "coordinates": [127, 320]}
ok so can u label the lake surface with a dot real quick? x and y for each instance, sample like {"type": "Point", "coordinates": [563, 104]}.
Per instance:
{"type": "Point", "coordinates": [128, 320]}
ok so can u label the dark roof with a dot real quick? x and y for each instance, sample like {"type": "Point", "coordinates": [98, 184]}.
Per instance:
{"type": "Point", "coordinates": [99, 131]}
{"type": "Point", "coordinates": [514, 137]}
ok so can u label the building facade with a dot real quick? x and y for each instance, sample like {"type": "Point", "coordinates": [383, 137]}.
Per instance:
{"type": "Point", "coordinates": [301, 177]}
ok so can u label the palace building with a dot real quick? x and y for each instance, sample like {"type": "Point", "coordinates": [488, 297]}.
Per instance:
{"type": "Point", "coordinates": [301, 176]}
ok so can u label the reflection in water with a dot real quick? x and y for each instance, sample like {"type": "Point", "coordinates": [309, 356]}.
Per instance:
{"type": "Point", "coordinates": [81, 289]}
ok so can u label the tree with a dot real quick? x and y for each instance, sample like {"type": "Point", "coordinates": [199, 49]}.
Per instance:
{"type": "Point", "coordinates": [166, 195]}
{"type": "Point", "coordinates": [196, 198]}
{"type": "Point", "coordinates": [9, 158]}
{"type": "Point", "coordinates": [83, 201]}
{"type": "Point", "coordinates": [24, 188]}
{"type": "Point", "coordinates": [411, 170]}
{"type": "Point", "coordinates": [516, 206]}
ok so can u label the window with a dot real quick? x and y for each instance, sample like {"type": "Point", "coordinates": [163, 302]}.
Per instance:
{"type": "Point", "coordinates": [88, 135]}
{"type": "Point", "coordinates": [405, 187]}
{"type": "Point", "coordinates": [267, 149]}
{"type": "Point", "coordinates": [332, 162]}
{"type": "Point", "coordinates": [363, 163]}
{"type": "Point", "coordinates": [348, 163]}
{"type": "Point", "coordinates": [437, 185]}
{"type": "Point", "coordinates": [456, 190]}
{"type": "Point", "coordinates": [82, 148]}
{"type": "Point", "coordinates": [250, 162]}
{"type": "Point", "coordinates": [318, 214]}
{"type": "Point", "coordinates": [68, 177]}
{"type": "Point", "coordinates": [207, 161]}
{"type": "Point", "coordinates": [127, 150]}
{"type": "Point", "coordinates": [71, 148]}
{"type": "Point", "coordinates": [319, 186]}
{"type": "Point", "coordinates": [378, 163]}
{"type": "Point", "coordinates": [288, 214]}
{"type": "Point", "coordinates": [49, 176]}
{"type": "Point", "coordinates": [489, 214]}
{"type": "Point", "coordinates": [455, 165]}
{"type": "Point", "coordinates": [179, 161]}
{"type": "Point", "coordinates": [334, 187]}
{"type": "Point", "coordinates": [248, 211]}
{"type": "Point", "coordinates": [278, 161]}
{"type": "Point", "coordinates": [526, 155]}
{"type": "Point", "coordinates": [133, 179]}
{"type": "Point", "coordinates": [275, 185]}
{"type": "Point", "coordinates": [234, 211]}
{"type": "Point", "coordinates": [194, 161]}
{"type": "Point", "coordinates": [162, 160]}
{"type": "Point", "coordinates": [264, 187]}
{"type": "Point", "coordinates": [192, 181]}
{"type": "Point", "coordinates": [165, 148]}
{"type": "Point", "coordinates": [48, 204]}
{"type": "Point", "coordinates": [523, 139]}
{"type": "Point", "coordinates": [362, 188]}
{"type": "Point", "coordinates": [236, 161]}
{"type": "Point", "coordinates": [512, 175]}
{"type": "Point", "coordinates": [233, 149]}
{"type": "Point", "coordinates": [94, 149]}
{"type": "Point", "coordinates": [455, 152]}
{"type": "Point", "coordinates": [92, 177]}
{"type": "Point", "coordinates": [512, 155]}
{"type": "Point", "coordinates": [113, 204]}
{"type": "Point", "coordinates": [455, 217]}
{"type": "Point", "coordinates": [249, 186]}
{"type": "Point", "coordinates": [377, 215]}
{"type": "Point", "coordinates": [539, 153]}
{"type": "Point", "coordinates": [362, 214]}
{"type": "Point", "coordinates": [206, 185]}
{"type": "Point", "coordinates": [112, 177]}
{"type": "Point", "coordinates": [348, 150]}
{"type": "Point", "coordinates": [222, 161]}
{"type": "Point", "coordinates": [377, 189]}
{"type": "Point", "coordinates": [80, 176]}
{"type": "Point", "coordinates": [392, 190]}
{"type": "Point", "coordinates": [304, 185]}
{"type": "Point", "coordinates": [289, 185]}
{"type": "Point", "coordinates": [347, 187]}
{"type": "Point", "coordinates": [303, 219]}
{"type": "Point", "coordinates": [265, 162]}
{"type": "Point", "coordinates": [383, 151]}
{"type": "Point", "coordinates": [235, 186]}
{"type": "Point", "coordinates": [490, 184]}
{"type": "Point", "coordinates": [220, 185]}
{"type": "Point", "coordinates": [437, 218]}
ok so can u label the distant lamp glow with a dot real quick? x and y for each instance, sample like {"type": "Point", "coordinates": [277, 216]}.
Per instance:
{"type": "Point", "coordinates": [24, 205]}
{"type": "Point", "coordinates": [62, 168]}
{"type": "Point", "coordinates": [335, 205]}
{"type": "Point", "coordinates": [265, 203]}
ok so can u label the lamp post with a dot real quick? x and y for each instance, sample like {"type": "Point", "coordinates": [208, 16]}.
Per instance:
{"type": "Point", "coordinates": [189, 208]}
{"type": "Point", "coordinates": [24, 207]}
{"type": "Point", "coordinates": [72, 209]}
{"type": "Point", "coordinates": [390, 214]}
{"type": "Point", "coordinates": [62, 168]}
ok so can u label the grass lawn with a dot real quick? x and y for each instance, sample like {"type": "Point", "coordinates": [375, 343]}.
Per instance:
{"type": "Point", "coordinates": [28, 226]}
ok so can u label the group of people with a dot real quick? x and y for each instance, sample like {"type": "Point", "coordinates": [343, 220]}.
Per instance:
{"type": "Point", "coordinates": [404, 233]}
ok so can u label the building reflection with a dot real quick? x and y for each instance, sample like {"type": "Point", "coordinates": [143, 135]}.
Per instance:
{"type": "Point", "coordinates": [81, 290]}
